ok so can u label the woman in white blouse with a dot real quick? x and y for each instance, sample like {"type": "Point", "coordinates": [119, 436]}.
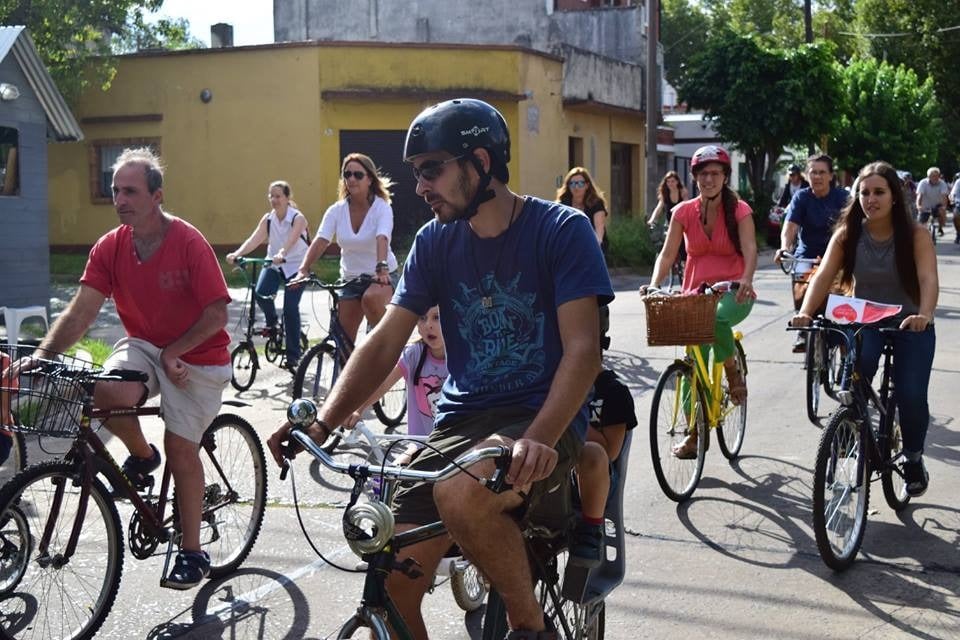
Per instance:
{"type": "Point", "coordinates": [361, 222]}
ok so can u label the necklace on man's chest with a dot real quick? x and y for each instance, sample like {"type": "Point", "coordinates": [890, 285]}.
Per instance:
{"type": "Point", "coordinates": [486, 297]}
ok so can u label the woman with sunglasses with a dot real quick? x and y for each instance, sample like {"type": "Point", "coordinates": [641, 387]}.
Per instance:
{"type": "Point", "coordinates": [361, 222]}
{"type": "Point", "coordinates": [580, 192]}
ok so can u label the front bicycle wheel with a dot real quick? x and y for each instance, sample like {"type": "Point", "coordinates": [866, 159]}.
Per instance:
{"type": "Point", "coordinates": [317, 372]}
{"type": "Point", "coordinates": [676, 413]}
{"type": "Point", "coordinates": [832, 368]}
{"type": "Point", "coordinates": [15, 545]}
{"type": "Point", "coordinates": [392, 407]}
{"type": "Point", "coordinates": [841, 490]}
{"type": "Point", "coordinates": [62, 596]}
{"type": "Point", "coordinates": [733, 417]}
{"type": "Point", "coordinates": [469, 587]}
{"type": "Point", "coordinates": [17, 458]}
{"type": "Point", "coordinates": [815, 363]}
{"type": "Point", "coordinates": [891, 478]}
{"type": "Point", "coordinates": [245, 365]}
{"type": "Point", "coordinates": [235, 492]}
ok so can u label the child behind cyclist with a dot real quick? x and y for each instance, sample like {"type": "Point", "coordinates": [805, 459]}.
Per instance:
{"type": "Point", "coordinates": [423, 365]}
{"type": "Point", "coordinates": [611, 415]}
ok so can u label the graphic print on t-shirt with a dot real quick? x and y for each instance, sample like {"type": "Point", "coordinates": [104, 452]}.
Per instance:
{"type": "Point", "coordinates": [505, 340]}
{"type": "Point", "coordinates": [428, 392]}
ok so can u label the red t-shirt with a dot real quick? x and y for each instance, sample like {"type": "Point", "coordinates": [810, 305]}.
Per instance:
{"type": "Point", "coordinates": [160, 299]}
{"type": "Point", "coordinates": [710, 259]}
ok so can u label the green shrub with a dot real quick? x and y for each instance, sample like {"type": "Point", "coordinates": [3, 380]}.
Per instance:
{"type": "Point", "coordinates": [630, 243]}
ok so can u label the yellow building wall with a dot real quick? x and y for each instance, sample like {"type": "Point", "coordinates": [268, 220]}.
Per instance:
{"type": "Point", "coordinates": [267, 121]}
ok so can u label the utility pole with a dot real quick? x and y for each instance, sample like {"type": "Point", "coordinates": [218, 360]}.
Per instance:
{"type": "Point", "coordinates": [653, 103]}
{"type": "Point", "coordinates": [807, 21]}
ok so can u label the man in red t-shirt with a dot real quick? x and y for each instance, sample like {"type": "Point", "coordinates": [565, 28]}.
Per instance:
{"type": "Point", "coordinates": [172, 300]}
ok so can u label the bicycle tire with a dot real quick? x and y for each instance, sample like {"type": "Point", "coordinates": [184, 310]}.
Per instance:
{"type": "Point", "coordinates": [469, 588]}
{"type": "Point", "coordinates": [17, 459]}
{"type": "Point", "coordinates": [372, 621]}
{"type": "Point", "coordinates": [273, 348]}
{"type": "Point", "coordinates": [841, 491]}
{"type": "Point", "coordinates": [15, 546]}
{"type": "Point", "coordinates": [734, 421]}
{"type": "Point", "coordinates": [70, 597]}
{"type": "Point", "coordinates": [392, 407]}
{"type": "Point", "coordinates": [669, 426]}
{"type": "Point", "coordinates": [304, 342]}
{"type": "Point", "coordinates": [235, 492]}
{"type": "Point", "coordinates": [892, 481]}
{"type": "Point", "coordinates": [317, 372]}
{"type": "Point", "coordinates": [814, 362]}
{"type": "Point", "coordinates": [833, 369]}
{"type": "Point", "coordinates": [244, 362]}
{"type": "Point", "coordinates": [571, 620]}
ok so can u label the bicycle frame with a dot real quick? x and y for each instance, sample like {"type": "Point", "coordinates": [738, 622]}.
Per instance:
{"type": "Point", "coordinates": [710, 378]}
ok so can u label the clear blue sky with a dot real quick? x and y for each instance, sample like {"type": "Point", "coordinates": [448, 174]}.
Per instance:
{"type": "Point", "coordinates": [252, 20]}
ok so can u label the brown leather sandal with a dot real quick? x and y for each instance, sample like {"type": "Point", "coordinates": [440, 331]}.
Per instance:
{"type": "Point", "coordinates": [736, 385]}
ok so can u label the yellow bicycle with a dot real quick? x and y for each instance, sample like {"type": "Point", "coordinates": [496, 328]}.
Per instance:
{"type": "Point", "coordinates": [692, 396]}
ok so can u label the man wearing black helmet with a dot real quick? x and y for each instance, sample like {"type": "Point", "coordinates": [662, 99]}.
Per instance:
{"type": "Point", "coordinates": [518, 281]}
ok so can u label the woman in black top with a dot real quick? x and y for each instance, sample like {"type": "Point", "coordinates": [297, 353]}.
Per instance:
{"type": "Point", "coordinates": [579, 191]}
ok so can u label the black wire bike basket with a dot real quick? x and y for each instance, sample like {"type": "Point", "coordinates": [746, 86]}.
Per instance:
{"type": "Point", "coordinates": [42, 395]}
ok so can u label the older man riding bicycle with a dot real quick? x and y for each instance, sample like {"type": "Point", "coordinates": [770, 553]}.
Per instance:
{"type": "Point", "coordinates": [518, 281]}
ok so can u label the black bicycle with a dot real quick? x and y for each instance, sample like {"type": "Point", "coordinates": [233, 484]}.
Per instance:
{"type": "Point", "coordinates": [572, 598]}
{"type": "Point", "coordinates": [244, 356]}
{"type": "Point", "coordinates": [823, 357]}
{"type": "Point", "coordinates": [322, 363]}
{"type": "Point", "coordinates": [658, 235]}
{"type": "Point", "coordinates": [861, 442]}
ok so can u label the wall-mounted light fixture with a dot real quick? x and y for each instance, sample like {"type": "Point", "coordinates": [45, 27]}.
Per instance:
{"type": "Point", "coordinates": [9, 91]}
{"type": "Point", "coordinates": [206, 96]}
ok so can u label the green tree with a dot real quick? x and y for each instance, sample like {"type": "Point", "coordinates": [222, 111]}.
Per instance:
{"type": "Point", "coordinates": [682, 31]}
{"type": "Point", "coordinates": [888, 114]}
{"type": "Point", "coordinates": [921, 35]}
{"type": "Point", "coordinates": [762, 99]}
{"type": "Point", "coordinates": [76, 39]}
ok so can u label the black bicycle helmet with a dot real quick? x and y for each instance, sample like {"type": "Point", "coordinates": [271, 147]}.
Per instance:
{"type": "Point", "coordinates": [795, 168]}
{"type": "Point", "coordinates": [458, 127]}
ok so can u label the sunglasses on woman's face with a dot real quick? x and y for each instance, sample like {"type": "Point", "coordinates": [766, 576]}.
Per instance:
{"type": "Point", "coordinates": [577, 184]}
{"type": "Point", "coordinates": [356, 175]}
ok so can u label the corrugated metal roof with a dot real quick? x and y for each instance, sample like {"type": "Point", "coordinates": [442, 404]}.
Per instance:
{"type": "Point", "coordinates": [63, 125]}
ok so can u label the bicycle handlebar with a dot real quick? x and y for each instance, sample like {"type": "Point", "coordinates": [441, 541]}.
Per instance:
{"type": "Point", "coordinates": [302, 414]}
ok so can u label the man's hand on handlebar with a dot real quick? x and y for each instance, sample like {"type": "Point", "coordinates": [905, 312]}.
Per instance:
{"type": "Point", "coordinates": [801, 319]}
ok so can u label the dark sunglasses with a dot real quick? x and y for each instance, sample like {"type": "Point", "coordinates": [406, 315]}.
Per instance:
{"type": "Point", "coordinates": [577, 184]}
{"type": "Point", "coordinates": [431, 169]}
{"type": "Point", "coordinates": [357, 175]}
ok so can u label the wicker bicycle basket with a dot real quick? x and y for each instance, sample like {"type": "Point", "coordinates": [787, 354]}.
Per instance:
{"type": "Point", "coordinates": [680, 320]}
{"type": "Point", "coordinates": [43, 395]}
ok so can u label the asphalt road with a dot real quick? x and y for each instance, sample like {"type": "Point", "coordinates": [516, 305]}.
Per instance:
{"type": "Point", "coordinates": [737, 561]}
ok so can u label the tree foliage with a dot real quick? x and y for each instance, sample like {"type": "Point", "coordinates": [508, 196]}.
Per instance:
{"type": "Point", "coordinates": [931, 47]}
{"type": "Point", "coordinates": [763, 99]}
{"type": "Point", "coordinates": [77, 39]}
{"type": "Point", "coordinates": [888, 114]}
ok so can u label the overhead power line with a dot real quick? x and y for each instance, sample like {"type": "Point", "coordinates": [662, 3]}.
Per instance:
{"type": "Point", "coordinates": [894, 35]}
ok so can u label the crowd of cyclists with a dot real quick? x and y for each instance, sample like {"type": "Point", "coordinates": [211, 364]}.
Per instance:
{"type": "Point", "coordinates": [509, 294]}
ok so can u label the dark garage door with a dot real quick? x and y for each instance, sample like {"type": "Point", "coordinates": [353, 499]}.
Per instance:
{"type": "Point", "coordinates": [386, 149]}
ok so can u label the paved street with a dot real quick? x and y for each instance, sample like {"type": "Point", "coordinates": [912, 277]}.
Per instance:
{"type": "Point", "coordinates": [737, 561]}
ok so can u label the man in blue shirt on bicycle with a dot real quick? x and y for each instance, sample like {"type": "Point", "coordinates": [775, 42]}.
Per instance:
{"type": "Point", "coordinates": [519, 281]}
{"type": "Point", "coordinates": [808, 224]}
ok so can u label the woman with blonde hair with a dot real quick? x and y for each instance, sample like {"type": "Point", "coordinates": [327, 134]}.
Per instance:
{"type": "Point", "coordinates": [579, 191]}
{"type": "Point", "coordinates": [361, 222]}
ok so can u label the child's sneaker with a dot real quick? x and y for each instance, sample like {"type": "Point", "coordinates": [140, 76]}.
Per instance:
{"type": "Point", "coordinates": [587, 547]}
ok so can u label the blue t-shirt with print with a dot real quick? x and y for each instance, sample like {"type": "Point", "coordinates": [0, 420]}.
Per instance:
{"type": "Point", "coordinates": [816, 217]}
{"type": "Point", "coordinates": [505, 354]}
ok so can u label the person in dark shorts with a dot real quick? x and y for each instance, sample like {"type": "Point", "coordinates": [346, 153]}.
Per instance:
{"type": "Point", "coordinates": [519, 282]}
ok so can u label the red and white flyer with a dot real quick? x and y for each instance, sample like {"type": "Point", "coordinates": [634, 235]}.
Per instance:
{"type": "Point", "coordinates": [844, 310]}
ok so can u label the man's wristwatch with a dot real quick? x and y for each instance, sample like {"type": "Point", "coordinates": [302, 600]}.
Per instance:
{"type": "Point", "coordinates": [382, 266]}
